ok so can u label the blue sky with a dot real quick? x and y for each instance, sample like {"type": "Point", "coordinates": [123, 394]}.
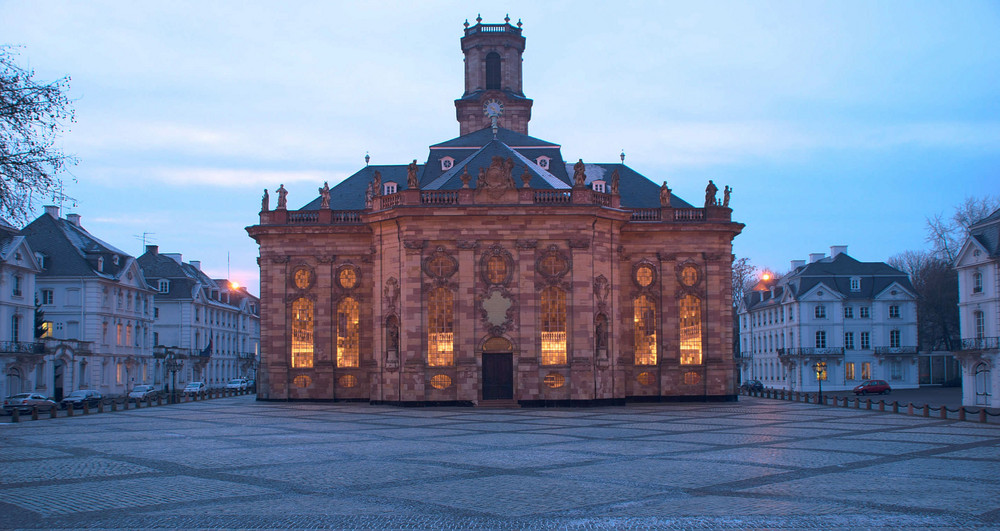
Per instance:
{"type": "Point", "coordinates": [835, 122]}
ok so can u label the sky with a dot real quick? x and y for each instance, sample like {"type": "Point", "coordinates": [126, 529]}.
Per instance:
{"type": "Point", "coordinates": [836, 123]}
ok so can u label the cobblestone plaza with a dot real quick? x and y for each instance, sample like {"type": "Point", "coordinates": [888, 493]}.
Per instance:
{"type": "Point", "coordinates": [758, 463]}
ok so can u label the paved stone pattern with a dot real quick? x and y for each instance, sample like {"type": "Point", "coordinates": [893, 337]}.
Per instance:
{"type": "Point", "coordinates": [237, 463]}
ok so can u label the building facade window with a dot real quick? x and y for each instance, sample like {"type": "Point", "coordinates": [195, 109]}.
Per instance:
{"type": "Point", "coordinates": [690, 323]}
{"type": "Point", "coordinates": [849, 340]}
{"type": "Point", "coordinates": [47, 296]}
{"type": "Point", "coordinates": [855, 284]}
{"type": "Point", "coordinates": [441, 328]}
{"type": "Point", "coordinates": [821, 339]}
{"type": "Point", "coordinates": [896, 370]}
{"type": "Point", "coordinates": [980, 325]}
{"type": "Point", "coordinates": [848, 312]}
{"type": "Point", "coordinates": [893, 338]}
{"type": "Point", "coordinates": [118, 334]}
{"type": "Point", "coordinates": [644, 316]}
{"type": "Point", "coordinates": [894, 311]}
{"type": "Point", "coordinates": [553, 317]}
{"type": "Point", "coordinates": [302, 334]}
{"type": "Point", "coordinates": [849, 370]}
{"type": "Point", "coordinates": [16, 286]}
{"type": "Point", "coordinates": [493, 71]}
{"type": "Point", "coordinates": [866, 370]}
{"type": "Point", "coordinates": [866, 340]}
{"type": "Point", "coordinates": [863, 312]}
{"type": "Point", "coordinates": [977, 282]}
{"type": "Point", "coordinates": [348, 333]}
{"type": "Point", "coordinates": [15, 328]}
{"type": "Point", "coordinates": [820, 311]}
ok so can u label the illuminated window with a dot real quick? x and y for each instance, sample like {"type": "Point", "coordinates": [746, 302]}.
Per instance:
{"type": "Point", "coordinates": [348, 381]}
{"type": "Point", "coordinates": [302, 278]}
{"type": "Point", "coordinates": [866, 370]}
{"type": "Point", "coordinates": [496, 270]}
{"type": "Point", "coordinates": [553, 315]}
{"type": "Point", "coordinates": [302, 333]}
{"type": "Point", "coordinates": [849, 370]}
{"type": "Point", "coordinates": [441, 266]}
{"type": "Point", "coordinates": [440, 381]}
{"type": "Point", "coordinates": [552, 265]}
{"type": "Point", "coordinates": [645, 331]}
{"type": "Point", "coordinates": [644, 275]}
{"type": "Point", "coordinates": [302, 381]}
{"type": "Point", "coordinates": [118, 334]}
{"type": "Point", "coordinates": [691, 378]}
{"type": "Point", "coordinates": [128, 335]}
{"type": "Point", "coordinates": [440, 328]}
{"type": "Point", "coordinates": [348, 333]}
{"type": "Point", "coordinates": [554, 380]}
{"type": "Point", "coordinates": [348, 278]}
{"type": "Point", "coordinates": [119, 373]}
{"type": "Point", "coordinates": [646, 378]}
{"type": "Point", "coordinates": [689, 276]}
{"type": "Point", "coordinates": [690, 330]}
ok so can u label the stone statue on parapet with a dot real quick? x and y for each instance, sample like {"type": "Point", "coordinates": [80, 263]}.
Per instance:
{"type": "Point", "coordinates": [377, 184]}
{"type": "Point", "coordinates": [725, 196]}
{"type": "Point", "coordinates": [411, 176]}
{"type": "Point", "coordinates": [369, 194]}
{"type": "Point", "coordinates": [710, 192]}
{"type": "Point", "coordinates": [579, 174]}
{"type": "Point", "coordinates": [282, 198]}
{"type": "Point", "coordinates": [664, 195]}
{"type": "Point", "coordinates": [324, 194]}
{"type": "Point", "coordinates": [264, 201]}
{"type": "Point", "coordinates": [614, 182]}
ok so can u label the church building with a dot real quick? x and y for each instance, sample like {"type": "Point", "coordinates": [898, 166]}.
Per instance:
{"type": "Point", "coordinates": [496, 272]}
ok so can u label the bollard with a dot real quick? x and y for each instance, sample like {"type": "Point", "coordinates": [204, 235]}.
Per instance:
{"type": "Point", "coordinates": [895, 406]}
{"type": "Point", "coordinates": [34, 412]}
{"type": "Point", "coordinates": [909, 408]}
{"type": "Point", "coordinates": [100, 406]}
{"type": "Point", "coordinates": [86, 407]}
{"type": "Point", "coordinates": [15, 415]}
{"type": "Point", "coordinates": [982, 415]}
{"type": "Point", "coordinates": [869, 401]}
{"type": "Point", "coordinates": [961, 413]}
{"type": "Point", "coordinates": [927, 410]}
{"type": "Point", "coordinates": [138, 404]}
{"type": "Point", "coordinates": [944, 412]}
{"type": "Point", "coordinates": [52, 411]}
{"type": "Point", "coordinates": [69, 410]}
{"type": "Point", "coordinates": [125, 405]}
{"type": "Point", "coordinates": [881, 405]}
{"type": "Point", "coordinates": [846, 400]}
{"type": "Point", "coordinates": [159, 400]}
{"type": "Point", "coordinates": [857, 403]}
{"type": "Point", "coordinates": [114, 406]}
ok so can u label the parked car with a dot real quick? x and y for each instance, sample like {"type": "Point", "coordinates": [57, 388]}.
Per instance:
{"type": "Point", "coordinates": [143, 392]}
{"type": "Point", "coordinates": [752, 385]}
{"type": "Point", "coordinates": [26, 401]}
{"type": "Point", "coordinates": [252, 385]}
{"type": "Point", "coordinates": [81, 397]}
{"type": "Point", "coordinates": [238, 384]}
{"type": "Point", "coordinates": [194, 388]}
{"type": "Point", "coordinates": [875, 387]}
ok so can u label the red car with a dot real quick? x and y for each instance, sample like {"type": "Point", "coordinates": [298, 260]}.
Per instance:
{"type": "Point", "coordinates": [875, 387]}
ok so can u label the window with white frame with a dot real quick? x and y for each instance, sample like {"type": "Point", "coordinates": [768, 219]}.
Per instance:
{"type": "Point", "coordinates": [821, 339]}
{"type": "Point", "coordinates": [848, 312]}
{"type": "Point", "coordinates": [389, 188]}
{"type": "Point", "coordinates": [866, 340]}
{"type": "Point", "coordinates": [47, 296]}
{"type": "Point", "coordinates": [980, 325]}
{"type": "Point", "coordinates": [849, 340]}
{"type": "Point", "coordinates": [894, 311]}
{"type": "Point", "coordinates": [598, 186]}
{"type": "Point", "coordinates": [820, 311]}
{"type": "Point", "coordinates": [893, 338]}
{"type": "Point", "coordinates": [163, 285]}
{"type": "Point", "coordinates": [446, 163]}
{"type": "Point", "coordinates": [543, 162]}
{"type": "Point", "coordinates": [863, 312]}
{"type": "Point", "coordinates": [16, 288]}
{"type": "Point", "coordinates": [855, 283]}
{"type": "Point", "coordinates": [896, 370]}
{"type": "Point", "coordinates": [977, 282]}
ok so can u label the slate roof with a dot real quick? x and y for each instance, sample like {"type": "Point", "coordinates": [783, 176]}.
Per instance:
{"type": "Point", "coordinates": [834, 273]}
{"type": "Point", "coordinates": [184, 278]}
{"type": "Point", "coordinates": [476, 150]}
{"type": "Point", "coordinates": [72, 251]}
{"type": "Point", "coordinates": [987, 232]}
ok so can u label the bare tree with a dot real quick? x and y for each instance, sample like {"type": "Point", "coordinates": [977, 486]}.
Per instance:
{"type": "Point", "coordinates": [744, 277]}
{"type": "Point", "coordinates": [936, 284]}
{"type": "Point", "coordinates": [32, 114]}
{"type": "Point", "coordinates": [946, 236]}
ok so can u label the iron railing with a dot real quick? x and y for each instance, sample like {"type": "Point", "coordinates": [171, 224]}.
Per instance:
{"type": "Point", "coordinates": [21, 347]}
{"type": "Point", "coordinates": [981, 343]}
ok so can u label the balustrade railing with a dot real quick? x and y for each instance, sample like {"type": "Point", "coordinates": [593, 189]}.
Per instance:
{"type": "Point", "coordinates": [602, 199]}
{"type": "Point", "coordinates": [346, 216]}
{"type": "Point", "coordinates": [297, 217]}
{"type": "Point", "coordinates": [21, 347]}
{"type": "Point", "coordinates": [981, 343]}
{"type": "Point", "coordinates": [689, 214]}
{"type": "Point", "coordinates": [811, 351]}
{"type": "Point", "coordinates": [895, 350]}
{"type": "Point", "coordinates": [439, 197]}
{"type": "Point", "coordinates": [646, 214]}
{"type": "Point", "coordinates": [552, 196]}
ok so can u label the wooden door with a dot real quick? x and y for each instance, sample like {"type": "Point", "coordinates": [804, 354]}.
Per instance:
{"type": "Point", "coordinates": [498, 376]}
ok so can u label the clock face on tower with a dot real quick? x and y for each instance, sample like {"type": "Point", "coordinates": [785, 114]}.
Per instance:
{"type": "Point", "coordinates": [493, 108]}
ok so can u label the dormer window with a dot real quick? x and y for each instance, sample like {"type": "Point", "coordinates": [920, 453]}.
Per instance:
{"type": "Point", "coordinates": [543, 162]}
{"type": "Point", "coordinates": [598, 186]}
{"type": "Point", "coordinates": [855, 283]}
{"type": "Point", "coordinates": [164, 286]}
{"type": "Point", "coordinates": [447, 163]}
{"type": "Point", "coordinates": [389, 188]}
{"type": "Point", "coordinates": [100, 264]}
{"type": "Point", "coordinates": [41, 260]}
{"type": "Point", "coordinates": [114, 259]}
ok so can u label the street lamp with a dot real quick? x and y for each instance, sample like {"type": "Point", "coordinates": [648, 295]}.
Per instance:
{"type": "Point", "coordinates": [820, 368]}
{"type": "Point", "coordinates": [172, 365]}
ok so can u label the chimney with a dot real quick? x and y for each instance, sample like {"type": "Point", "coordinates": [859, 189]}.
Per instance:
{"type": "Point", "coordinates": [797, 264]}
{"type": "Point", "coordinates": [196, 264]}
{"type": "Point", "coordinates": [153, 249]}
{"type": "Point", "coordinates": [837, 249]}
{"type": "Point", "coordinates": [815, 257]}
{"type": "Point", "coordinates": [176, 257]}
{"type": "Point", "coordinates": [74, 219]}
{"type": "Point", "coordinates": [52, 210]}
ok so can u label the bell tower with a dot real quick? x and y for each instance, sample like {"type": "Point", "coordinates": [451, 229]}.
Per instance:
{"type": "Point", "coordinates": [493, 76]}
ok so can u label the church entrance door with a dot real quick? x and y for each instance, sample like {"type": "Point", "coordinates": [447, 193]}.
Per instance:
{"type": "Point", "coordinates": [498, 376]}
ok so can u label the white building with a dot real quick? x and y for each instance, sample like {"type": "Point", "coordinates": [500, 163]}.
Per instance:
{"type": "Point", "coordinates": [859, 318]}
{"type": "Point", "coordinates": [212, 325]}
{"type": "Point", "coordinates": [97, 308]}
{"type": "Point", "coordinates": [20, 352]}
{"type": "Point", "coordinates": [978, 265]}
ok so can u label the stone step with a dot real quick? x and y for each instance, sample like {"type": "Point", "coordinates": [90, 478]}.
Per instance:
{"type": "Point", "coordinates": [498, 404]}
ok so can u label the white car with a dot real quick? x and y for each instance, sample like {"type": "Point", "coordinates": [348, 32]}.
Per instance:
{"type": "Point", "coordinates": [238, 384]}
{"type": "Point", "coordinates": [195, 388]}
{"type": "Point", "coordinates": [143, 392]}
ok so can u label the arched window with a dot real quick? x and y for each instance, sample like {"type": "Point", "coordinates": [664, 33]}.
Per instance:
{"type": "Point", "coordinates": [553, 315]}
{"type": "Point", "coordinates": [302, 334]}
{"type": "Point", "coordinates": [493, 71]}
{"type": "Point", "coordinates": [690, 322]}
{"type": "Point", "coordinates": [645, 331]}
{"type": "Point", "coordinates": [348, 333]}
{"type": "Point", "coordinates": [440, 328]}
{"type": "Point", "coordinates": [977, 282]}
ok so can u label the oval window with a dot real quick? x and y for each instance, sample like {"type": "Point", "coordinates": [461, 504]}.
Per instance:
{"type": "Point", "coordinates": [440, 381]}
{"type": "Point", "coordinates": [348, 381]}
{"type": "Point", "coordinates": [646, 378]}
{"type": "Point", "coordinates": [554, 380]}
{"type": "Point", "coordinates": [644, 275]}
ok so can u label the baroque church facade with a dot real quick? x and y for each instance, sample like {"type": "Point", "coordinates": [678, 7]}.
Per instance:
{"type": "Point", "coordinates": [496, 272]}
